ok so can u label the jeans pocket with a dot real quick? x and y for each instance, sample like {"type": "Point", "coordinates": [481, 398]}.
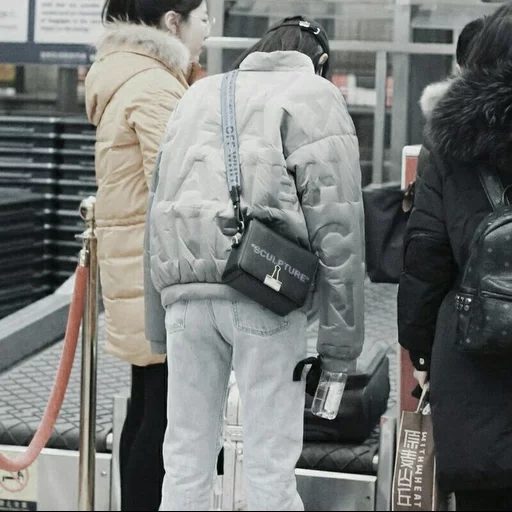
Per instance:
{"type": "Point", "coordinates": [255, 319]}
{"type": "Point", "coordinates": [175, 317]}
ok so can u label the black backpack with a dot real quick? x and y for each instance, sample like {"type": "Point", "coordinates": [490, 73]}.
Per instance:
{"type": "Point", "coordinates": [484, 300]}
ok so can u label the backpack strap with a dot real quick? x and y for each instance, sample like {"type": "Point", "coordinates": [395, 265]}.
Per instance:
{"type": "Point", "coordinates": [492, 186]}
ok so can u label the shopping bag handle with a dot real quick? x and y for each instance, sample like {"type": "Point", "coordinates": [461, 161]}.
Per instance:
{"type": "Point", "coordinates": [423, 402]}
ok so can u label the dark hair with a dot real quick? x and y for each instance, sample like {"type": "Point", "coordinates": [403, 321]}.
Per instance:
{"type": "Point", "coordinates": [493, 47]}
{"type": "Point", "coordinates": [147, 12]}
{"type": "Point", "coordinates": [466, 40]}
{"type": "Point", "coordinates": [294, 34]}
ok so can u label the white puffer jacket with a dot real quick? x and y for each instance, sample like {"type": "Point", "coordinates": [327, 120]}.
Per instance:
{"type": "Point", "coordinates": [300, 170]}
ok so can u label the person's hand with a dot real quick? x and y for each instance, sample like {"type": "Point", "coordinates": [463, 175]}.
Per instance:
{"type": "Point", "coordinates": [421, 377]}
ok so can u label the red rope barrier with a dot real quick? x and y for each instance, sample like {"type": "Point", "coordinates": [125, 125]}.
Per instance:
{"type": "Point", "coordinates": [60, 385]}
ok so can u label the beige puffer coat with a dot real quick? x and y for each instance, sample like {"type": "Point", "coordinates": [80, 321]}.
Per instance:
{"type": "Point", "coordinates": [131, 90]}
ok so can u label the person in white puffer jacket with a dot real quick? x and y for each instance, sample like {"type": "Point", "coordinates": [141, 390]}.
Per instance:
{"type": "Point", "coordinates": [301, 176]}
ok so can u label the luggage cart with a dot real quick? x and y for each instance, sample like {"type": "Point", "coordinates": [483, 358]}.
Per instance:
{"type": "Point", "coordinates": [52, 157]}
{"type": "Point", "coordinates": [23, 279]}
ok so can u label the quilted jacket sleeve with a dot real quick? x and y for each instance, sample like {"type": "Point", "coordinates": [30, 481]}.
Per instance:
{"type": "Point", "coordinates": [149, 112]}
{"type": "Point", "coordinates": [153, 310]}
{"type": "Point", "coordinates": [429, 267]}
{"type": "Point", "coordinates": [328, 179]}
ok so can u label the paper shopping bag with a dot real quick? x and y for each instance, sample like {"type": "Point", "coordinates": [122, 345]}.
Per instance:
{"type": "Point", "coordinates": [414, 480]}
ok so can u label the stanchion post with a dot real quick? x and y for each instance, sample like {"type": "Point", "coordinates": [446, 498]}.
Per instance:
{"type": "Point", "coordinates": [87, 459]}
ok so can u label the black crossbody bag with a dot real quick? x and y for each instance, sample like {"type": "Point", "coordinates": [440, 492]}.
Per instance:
{"type": "Point", "coordinates": [263, 265]}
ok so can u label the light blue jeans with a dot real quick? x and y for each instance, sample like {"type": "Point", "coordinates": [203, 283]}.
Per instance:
{"type": "Point", "coordinates": [204, 340]}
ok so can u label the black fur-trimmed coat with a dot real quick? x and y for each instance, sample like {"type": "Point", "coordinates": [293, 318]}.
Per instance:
{"type": "Point", "coordinates": [471, 399]}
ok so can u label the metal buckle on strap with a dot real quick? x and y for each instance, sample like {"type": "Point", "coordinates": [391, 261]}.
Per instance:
{"type": "Point", "coordinates": [240, 221]}
{"type": "Point", "coordinates": [236, 240]}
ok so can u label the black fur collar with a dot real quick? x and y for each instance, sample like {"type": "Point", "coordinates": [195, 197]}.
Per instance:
{"type": "Point", "coordinates": [473, 120]}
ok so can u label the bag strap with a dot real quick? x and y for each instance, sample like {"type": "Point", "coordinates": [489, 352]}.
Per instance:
{"type": "Point", "coordinates": [424, 399]}
{"type": "Point", "coordinates": [231, 149]}
{"type": "Point", "coordinates": [493, 187]}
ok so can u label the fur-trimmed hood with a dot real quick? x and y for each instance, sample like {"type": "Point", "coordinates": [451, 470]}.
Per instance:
{"type": "Point", "coordinates": [125, 50]}
{"type": "Point", "coordinates": [473, 120]}
{"type": "Point", "coordinates": [432, 95]}
{"type": "Point", "coordinates": [149, 41]}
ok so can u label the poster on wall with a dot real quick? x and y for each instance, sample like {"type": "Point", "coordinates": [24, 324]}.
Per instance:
{"type": "Point", "coordinates": [59, 32]}
{"type": "Point", "coordinates": [67, 21]}
{"type": "Point", "coordinates": [14, 21]}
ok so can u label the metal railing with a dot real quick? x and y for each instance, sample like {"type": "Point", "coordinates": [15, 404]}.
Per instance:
{"type": "Point", "coordinates": [87, 443]}
{"type": "Point", "coordinates": [83, 311]}
{"type": "Point", "coordinates": [383, 51]}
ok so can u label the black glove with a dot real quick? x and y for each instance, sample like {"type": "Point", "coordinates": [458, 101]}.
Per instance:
{"type": "Point", "coordinates": [416, 392]}
{"type": "Point", "coordinates": [313, 375]}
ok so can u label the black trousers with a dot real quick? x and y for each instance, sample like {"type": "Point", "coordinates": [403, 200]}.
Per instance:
{"type": "Point", "coordinates": [499, 499]}
{"type": "Point", "coordinates": [141, 459]}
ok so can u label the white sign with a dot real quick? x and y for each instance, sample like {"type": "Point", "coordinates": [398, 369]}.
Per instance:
{"type": "Point", "coordinates": [18, 491]}
{"type": "Point", "coordinates": [13, 21]}
{"type": "Point", "coordinates": [67, 21]}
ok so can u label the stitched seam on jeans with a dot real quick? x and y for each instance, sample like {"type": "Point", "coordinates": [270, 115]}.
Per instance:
{"type": "Point", "coordinates": [258, 332]}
